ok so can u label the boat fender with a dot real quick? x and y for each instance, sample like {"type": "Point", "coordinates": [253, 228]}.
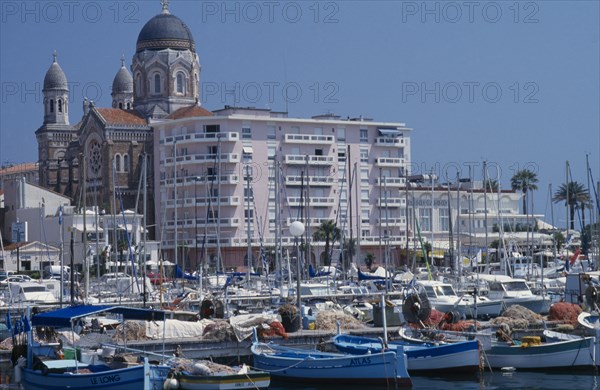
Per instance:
{"type": "Point", "coordinates": [18, 374]}
{"type": "Point", "coordinates": [171, 384]}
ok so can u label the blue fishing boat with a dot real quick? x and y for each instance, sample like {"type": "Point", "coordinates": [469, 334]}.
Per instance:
{"type": "Point", "coordinates": [48, 373]}
{"type": "Point", "coordinates": [299, 365]}
{"type": "Point", "coordinates": [422, 358]}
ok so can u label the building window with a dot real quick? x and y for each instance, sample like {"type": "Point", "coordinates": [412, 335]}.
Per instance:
{"type": "Point", "coordinates": [444, 220]}
{"type": "Point", "coordinates": [246, 133]}
{"type": "Point", "coordinates": [129, 106]}
{"type": "Point", "coordinates": [138, 84]}
{"type": "Point", "coordinates": [271, 132]}
{"type": "Point", "coordinates": [271, 149]}
{"type": "Point", "coordinates": [212, 129]}
{"type": "Point", "coordinates": [180, 83]}
{"type": "Point", "coordinates": [341, 134]}
{"type": "Point", "coordinates": [51, 105]}
{"type": "Point", "coordinates": [364, 135]}
{"type": "Point", "coordinates": [118, 162]}
{"type": "Point", "coordinates": [156, 83]}
{"type": "Point", "coordinates": [246, 158]}
{"type": "Point", "coordinates": [248, 192]}
{"type": "Point", "coordinates": [125, 163]}
{"type": "Point", "coordinates": [342, 155]}
{"type": "Point", "coordinates": [364, 196]}
{"type": "Point", "coordinates": [60, 108]}
{"type": "Point", "coordinates": [425, 219]}
{"type": "Point", "coordinates": [364, 155]}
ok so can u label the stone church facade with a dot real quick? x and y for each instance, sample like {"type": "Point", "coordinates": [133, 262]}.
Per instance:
{"type": "Point", "coordinates": [102, 156]}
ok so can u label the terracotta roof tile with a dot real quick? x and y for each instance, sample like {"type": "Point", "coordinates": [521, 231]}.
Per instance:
{"type": "Point", "coordinates": [116, 116]}
{"type": "Point", "coordinates": [190, 112]}
{"type": "Point", "coordinates": [25, 167]}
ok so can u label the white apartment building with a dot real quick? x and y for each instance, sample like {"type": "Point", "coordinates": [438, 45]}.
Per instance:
{"type": "Point", "coordinates": [201, 162]}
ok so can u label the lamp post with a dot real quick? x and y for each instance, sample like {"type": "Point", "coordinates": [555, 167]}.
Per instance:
{"type": "Point", "coordinates": [297, 230]}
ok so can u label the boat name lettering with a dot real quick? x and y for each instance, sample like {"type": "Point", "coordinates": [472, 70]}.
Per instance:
{"type": "Point", "coordinates": [106, 379]}
{"type": "Point", "coordinates": [360, 361]}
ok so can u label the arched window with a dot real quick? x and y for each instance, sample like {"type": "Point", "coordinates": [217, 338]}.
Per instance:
{"type": "Point", "coordinates": [125, 163]}
{"type": "Point", "coordinates": [157, 83]}
{"type": "Point", "coordinates": [138, 85]}
{"type": "Point", "coordinates": [180, 81]}
{"type": "Point", "coordinates": [129, 106]}
{"type": "Point", "coordinates": [121, 106]}
{"type": "Point", "coordinates": [51, 105]}
{"type": "Point", "coordinates": [59, 105]}
{"type": "Point", "coordinates": [118, 162]}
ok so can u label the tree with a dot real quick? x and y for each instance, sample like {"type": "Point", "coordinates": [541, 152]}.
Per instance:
{"type": "Point", "coordinates": [327, 232]}
{"type": "Point", "coordinates": [559, 240]}
{"type": "Point", "coordinates": [349, 251]}
{"type": "Point", "coordinates": [491, 185]}
{"type": "Point", "coordinates": [525, 181]}
{"type": "Point", "coordinates": [369, 260]}
{"type": "Point", "coordinates": [577, 195]}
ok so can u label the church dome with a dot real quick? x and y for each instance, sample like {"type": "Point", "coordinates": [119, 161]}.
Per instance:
{"type": "Point", "coordinates": [55, 77]}
{"type": "Point", "coordinates": [165, 31]}
{"type": "Point", "coordinates": [123, 82]}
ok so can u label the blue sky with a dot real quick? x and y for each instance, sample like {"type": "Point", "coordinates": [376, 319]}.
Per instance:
{"type": "Point", "coordinates": [513, 83]}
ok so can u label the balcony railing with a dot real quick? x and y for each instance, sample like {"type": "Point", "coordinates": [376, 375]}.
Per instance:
{"type": "Point", "coordinates": [389, 141]}
{"type": "Point", "coordinates": [388, 161]}
{"type": "Point", "coordinates": [202, 137]}
{"type": "Point", "coordinates": [390, 181]}
{"type": "Point", "coordinates": [391, 202]}
{"type": "Point", "coordinates": [314, 201]}
{"type": "Point", "coordinates": [312, 159]}
{"type": "Point", "coordinates": [311, 180]}
{"type": "Point", "coordinates": [309, 138]}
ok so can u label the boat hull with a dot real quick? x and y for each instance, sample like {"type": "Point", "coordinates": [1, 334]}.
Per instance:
{"type": "Point", "coordinates": [251, 380]}
{"type": "Point", "coordinates": [320, 367]}
{"type": "Point", "coordinates": [422, 358]}
{"type": "Point", "coordinates": [122, 379]}
{"type": "Point", "coordinates": [570, 354]}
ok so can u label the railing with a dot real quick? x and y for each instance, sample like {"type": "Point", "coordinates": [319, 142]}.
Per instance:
{"type": "Point", "coordinates": [311, 180]}
{"type": "Point", "coordinates": [309, 138]}
{"type": "Point", "coordinates": [312, 159]}
{"type": "Point", "coordinates": [389, 141]}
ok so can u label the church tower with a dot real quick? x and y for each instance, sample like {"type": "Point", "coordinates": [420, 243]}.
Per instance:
{"type": "Point", "coordinates": [166, 69]}
{"type": "Point", "coordinates": [122, 89]}
{"type": "Point", "coordinates": [56, 95]}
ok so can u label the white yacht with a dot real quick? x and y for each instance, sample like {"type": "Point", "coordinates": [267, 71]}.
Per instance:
{"type": "Point", "coordinates": [515, 292]}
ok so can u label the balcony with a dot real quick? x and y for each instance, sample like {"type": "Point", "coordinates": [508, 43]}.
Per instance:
{"type": "Point", "coordinates": [314, 181]}
{"type": "Point", "coordinates": [314, 201]}
{"type": "Point", "coordinates": [309, 139]}
{"type": "Point", "coordinates": [204, 201]}
{"type": "Point", "coordinates": [391, 221]}
{"type": "Point", "coordinates": [391, 202]}
{"type": "Point", "coordinates": [312, 159]}
{"type": "Point", "coordinates": [389, 141]}
{"type": "Point", "coordinates": [388, 162]}
{"type": "Point", "coordinates": [201, 137]}
{"type": "Point", "coordinates": [390, 182]}
{"type": "Point", "coordinates": [312, 222]}
{"type": "Point", "coordinates": [203, 158]}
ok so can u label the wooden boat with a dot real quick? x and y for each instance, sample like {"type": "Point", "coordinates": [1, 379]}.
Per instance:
{"type": "Point", "coordinates": [70, 374]}
{"type": "Point", "coordinates": [530, 353]}
{"type": "Point", "coordinates": [298, 365]}
{"type": "Point", "coordinates": [58, 374]}
{"type": "Point", "coordinates": [250, 379]}
{"type": "Point", "coordinates": [427, 358]}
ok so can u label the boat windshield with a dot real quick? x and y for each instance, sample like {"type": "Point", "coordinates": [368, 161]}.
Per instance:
{"type": "Point", "coordinates": [29, 289]}
{"type": "Point", "coordinates": [516, 286]}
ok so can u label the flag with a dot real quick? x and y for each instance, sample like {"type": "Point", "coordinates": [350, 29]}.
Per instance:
{"type": "Point", "coordinates": [575, 256]}
{"type": "Point", "coordinates": [26, 326]}
{"type": "Point", "coordinates": [60, 211]}
{"type": "Point", "coordinates": [8, 321]}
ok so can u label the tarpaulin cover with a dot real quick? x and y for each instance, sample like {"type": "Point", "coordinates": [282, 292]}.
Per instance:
{"type": "Point", "coordinates": [64, 317]}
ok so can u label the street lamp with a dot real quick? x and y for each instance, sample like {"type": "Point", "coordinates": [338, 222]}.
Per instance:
{"type": "Point", "coordinates": [297, 230]}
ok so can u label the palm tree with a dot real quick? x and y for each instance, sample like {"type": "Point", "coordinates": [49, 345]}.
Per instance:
{"type": "Point", "coordinates": [524, 180]}
{"type": "Point", "coordinates": [491, 185]}
{"type": "Point", "coordinates": [327, 232]}
{"type": "Point", "coordinates": [369, 260]}
{"type": "Point", "coordinates": [577, 196]}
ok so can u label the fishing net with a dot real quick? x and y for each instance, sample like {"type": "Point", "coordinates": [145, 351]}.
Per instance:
{"type": "Point", "coordinates": [200, 367]}
{"type": "Point", "coordinates": [219, 330]}
{"type": "Point", "coordinates": [131, 331]}
{"type": "Point", "coordinates": [327, 320]}
{"type": "Point", "coordinates": [518, 317]}
{"type": "Point", "coordinates": [564, 312]}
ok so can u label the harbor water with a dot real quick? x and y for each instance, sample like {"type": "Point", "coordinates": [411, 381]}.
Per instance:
{"type": "Point", "coordinates": [487, 380]}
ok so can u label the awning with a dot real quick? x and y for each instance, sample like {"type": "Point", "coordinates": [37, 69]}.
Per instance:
{"type": "Point", "coordinates": [390, 132]}
{"type": "Point", "coordinates": [247, 150]}
{"type": "Point", "coordinates": [63, 318]}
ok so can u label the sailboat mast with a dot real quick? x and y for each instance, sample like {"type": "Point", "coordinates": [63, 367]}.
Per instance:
{"type": "Point", "coordinates": [350, 183]}
{"type": "Point", "coordinates": [175, 197]}
{"type": "Point", "coordinates": [248, 213]}
{"type": "Point", "coordinates": [145, 224]}
{"type": "Point", "coordinates": [485, 218]}
{"type": "Point", "coordinates": [86, 268]}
